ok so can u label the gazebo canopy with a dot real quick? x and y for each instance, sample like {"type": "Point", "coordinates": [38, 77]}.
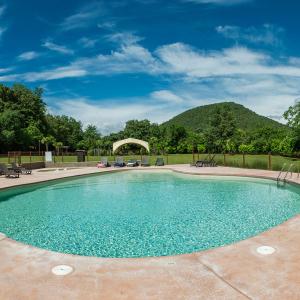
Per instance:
{"type": "Point", "coordinates": [118, 144]}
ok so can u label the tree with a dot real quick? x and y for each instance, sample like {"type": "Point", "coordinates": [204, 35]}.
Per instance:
{"type": "Point", "coordinates": [174, 136]}
{"type": "Point", "coordinates": [246, 149]}
{"type": "Point", "coordinates": [65, 129]}
{"type": "Point", "coordinates": [58, 146]}
{"type": "Point", "coordinates": [34, 135]}
{"type": "Point", "coordinates": [48, 140]}
{"type": "Point", "coordinates": [230, 146]}
{"type": "Point", "coordinates": [138, 129]}
{"type": "Point", "coordinates": [192, 141]}
{"type": "Point", "coordinates": [10, 129]}
{"type": "Point", "coordinates": [91, 138]}
{"type": "Point", "coordinates": [20, 107]}
{"type": "Point", "coordinates": [201, 148]}
{"type": "Point", "coordinates": [221, 129]}
{"type": "Point", "coordinates": [292, 115]}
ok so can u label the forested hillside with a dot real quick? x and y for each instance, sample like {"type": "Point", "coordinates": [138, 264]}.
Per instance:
{"type": "Point", "coordinates": [198, 118]}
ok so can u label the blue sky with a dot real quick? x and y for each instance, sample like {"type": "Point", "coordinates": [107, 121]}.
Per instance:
{"type": "Point", "coordinates": [105, 62]}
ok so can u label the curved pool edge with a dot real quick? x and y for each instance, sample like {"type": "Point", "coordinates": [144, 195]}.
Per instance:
{"type": "Point", "coordinates": [234, 271]}
{"type": "Point", "coordinates": [243, 173]}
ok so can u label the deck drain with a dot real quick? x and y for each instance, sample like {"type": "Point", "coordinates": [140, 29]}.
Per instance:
{"type": "Point", "coordinates": [265, 250]}
{"type": "Point", "coordinates": [62, 270]}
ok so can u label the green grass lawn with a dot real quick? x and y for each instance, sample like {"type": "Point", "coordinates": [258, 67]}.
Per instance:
{"type": "Point", "coordinates": [251, 161]}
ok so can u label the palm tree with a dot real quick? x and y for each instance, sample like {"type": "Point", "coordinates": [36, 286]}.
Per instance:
{"type": "Point", "coordinates": [48, 140]}
{"type": "Point", "coordinates": [58, 146]}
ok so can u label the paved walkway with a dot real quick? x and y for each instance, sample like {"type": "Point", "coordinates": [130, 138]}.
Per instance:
{"type": "Point", "coordinates": [233, 272]}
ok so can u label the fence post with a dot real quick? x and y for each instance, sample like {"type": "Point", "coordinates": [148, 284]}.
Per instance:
{"type": "Point", "coordinates": [244, 160]}
{"type": "Point", "coordinates": [8, 157]}
{"type": "Point", "coordinates": [19, 157]}
{"type": "Point", "coordinates": [30, 159]}
{"type": "Point", "coordinates": [167, 159]}
{"type": "Point", "coordinates": [193, 157]}
{"type": "Point", "coordinates": [270, 161]}
{"type": "Point", "coordinates": [62, 156]}
{"type": "Point", "coordinates": [224, 159]}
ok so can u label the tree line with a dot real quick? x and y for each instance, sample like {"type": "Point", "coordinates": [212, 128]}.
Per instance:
{"type": "Point", "coordinates": [25, 125]}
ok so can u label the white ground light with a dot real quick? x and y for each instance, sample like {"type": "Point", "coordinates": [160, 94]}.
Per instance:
{"type": "Point", "coordinates": [2, 236]}
{"type": "Point", "coordinates": [265, 250]}
{"type": "Point", "coordinates": [62, 270]}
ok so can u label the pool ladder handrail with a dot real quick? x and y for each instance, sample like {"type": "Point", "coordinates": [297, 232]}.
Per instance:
{"type": "Point", "coordinates": [289, 171]}
{"type": "Point", "coordinates": [281, 171]}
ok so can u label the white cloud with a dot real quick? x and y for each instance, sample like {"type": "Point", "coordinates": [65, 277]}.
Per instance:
{"type": "Point", "coordinates": [194, 64]}
{"type": "Point", "coordinates": [175, 60]}
{"type": "Point", "coordinates": [58, 73]}
{"type": "Point", "coordinates": [124, 38]}
{"type": "Point", "coordinates": [128, 59]}
{"type": "Point", "coordinates": [166, 96]}
{"type": "Point", "coordinates": [5, 70]}
{"type": "Point", "coordinates": [2, 10]}
{"type": "Point", "coordinates": [268, 34]}
{"type": "Point", "coordinates": [87, 42]}
{"type": "Point", "coordinates": [9, 77]}
{"type": "Point", "coordinates": [106, 25]}
{"type": "Point", "coordinates": [2, 28]}
{"type": "Point", "coordinates": [109, 115]}
{"type": "Point", "coordinates": [198, 77]}
{"type": "Point", "coordinates": [29, 55]}
{"type": "Point", "coordinates": [58, 48]}
{"type": "Point", "coordinates": [84, 17]}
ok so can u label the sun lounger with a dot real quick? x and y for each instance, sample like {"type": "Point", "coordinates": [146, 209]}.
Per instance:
{"type": "Point", "coordinates": [20, 169]}
{"type": "Point", "coordinates": [103, 163]}
{"type": "Point", "coordinates": [132, 163]}
{"type": "Point", "coordinates": [159, 161]}
{"type": "Point", "coordinates": [8, 172]}
{"type": "Point", "coordinates": [210, 162]}
{"type": "Point", "coordinates": [145, 162]}
{"type": "Point", "coordinates": [119, 162]}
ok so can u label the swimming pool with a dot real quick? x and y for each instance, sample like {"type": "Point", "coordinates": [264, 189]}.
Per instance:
{"type": "Point", "coordinates": [144, 213]}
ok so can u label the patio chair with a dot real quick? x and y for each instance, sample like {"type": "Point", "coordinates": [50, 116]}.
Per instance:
{"type": "Point", "coordinates": [103, 163]}
{"type": "Point", "coordinates": [119, 162]}
{"type": "Point", "coordinates": [207, 162]}
{"type": "Point", "coordinates": [8, 172]}
{"type": "Point", "coordinates": [200, 163]}
{"type": "Point", "coordinates": [145, 161]}
{"type": "Point", "coordinates": [132, 163]}
{"type": "Point", "coordinates": [159, 161]}
{"type": "Point", "coordinates": [20, 169]}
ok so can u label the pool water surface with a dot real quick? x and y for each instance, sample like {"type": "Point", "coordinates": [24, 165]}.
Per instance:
{"type": "Point", "coordinates": [144, 213]}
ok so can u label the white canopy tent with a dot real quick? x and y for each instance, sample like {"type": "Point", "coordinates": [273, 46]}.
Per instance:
{"type": "Point", "coordinates": [118, 144]}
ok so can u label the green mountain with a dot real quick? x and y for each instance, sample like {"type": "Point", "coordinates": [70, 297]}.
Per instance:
{"type": "Point", "coordinates": [198, 118]}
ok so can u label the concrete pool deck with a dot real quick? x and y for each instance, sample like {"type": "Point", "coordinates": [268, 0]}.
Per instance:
{"type": "Point", "coordinates": [232, 272]}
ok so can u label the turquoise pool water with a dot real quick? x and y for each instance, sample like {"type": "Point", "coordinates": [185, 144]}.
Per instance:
{"type": "Point", "coordinates": [144, 213]}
